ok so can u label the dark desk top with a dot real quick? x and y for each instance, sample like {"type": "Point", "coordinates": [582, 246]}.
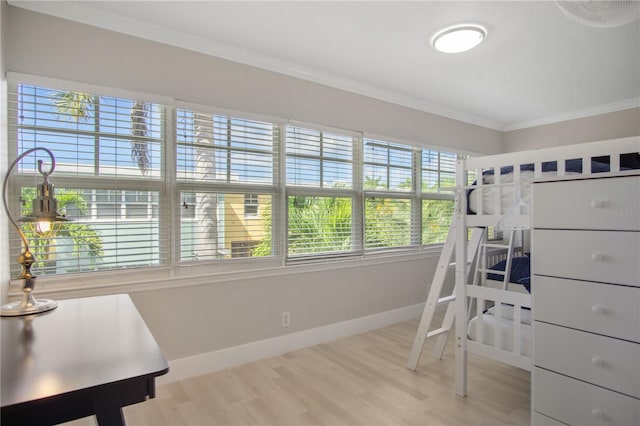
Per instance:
{"type": "Point", "coordinates": [83, 343]}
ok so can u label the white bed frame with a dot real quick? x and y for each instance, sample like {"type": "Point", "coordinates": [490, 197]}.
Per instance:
{"type": "Point", "coordinates": [508, 218]}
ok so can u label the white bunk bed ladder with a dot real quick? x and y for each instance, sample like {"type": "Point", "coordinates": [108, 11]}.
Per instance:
{"type": "Point", "coordinates": [483, 264]}
{"type": "Point", "coordinates": [435, 297]}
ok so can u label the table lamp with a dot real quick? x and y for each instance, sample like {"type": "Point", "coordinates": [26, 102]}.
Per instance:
{"type": "Point", "coordinates": [45, 222]}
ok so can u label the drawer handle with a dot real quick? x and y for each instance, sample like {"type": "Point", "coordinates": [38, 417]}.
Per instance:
{"type": "Point", "coordinates": [598, 257]}
{"type": "Point", "coordinates": [597, 361]}
{"type": "Point", "coordinates": [598, 204]}
{"type": "Point", "coordinates": [598, 309]}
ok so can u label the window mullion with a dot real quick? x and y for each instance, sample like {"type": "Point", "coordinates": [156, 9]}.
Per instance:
{"type": "Point", "coordinates": [416, 219]}
{"type": "Point", "coordinates": [358, 198]}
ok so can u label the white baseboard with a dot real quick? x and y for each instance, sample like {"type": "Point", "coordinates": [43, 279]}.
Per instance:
{"type": "Point", "coordinates": [196, 365]}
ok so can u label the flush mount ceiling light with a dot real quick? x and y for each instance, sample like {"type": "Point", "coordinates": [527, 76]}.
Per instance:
{"type": "Point", "coordinates": [459, 38]}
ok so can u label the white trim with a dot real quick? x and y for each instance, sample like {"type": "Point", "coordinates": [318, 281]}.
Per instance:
{"type": "Point", "coordinates": [59, 84]}
{"type": "Point", "coordinates": [583, 113]}
{"type": "Point", "coordinates": [325, 129]}
{"type": "Point", "coordinates": [161, 278]}
{"type": "Point", "coordinates": [209, 362]}
{"type": "Point", "coordinates": [217, 110]}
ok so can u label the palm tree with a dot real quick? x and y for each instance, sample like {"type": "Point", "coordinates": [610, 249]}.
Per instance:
{"type": "Point", "coordinates": [206, 203]}
{"type": "Point", "coordinates": [139, 147]}
{"type": "Point", "coordinates": [319, 224]}
{"type": "Point", "coordinates": [79, 106]}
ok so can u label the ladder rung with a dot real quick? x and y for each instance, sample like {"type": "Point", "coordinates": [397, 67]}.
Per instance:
{"type": "Point", "coordinates": [447, 299]}
{"type": "Point", "coordinates": [437, 331]}
{"type": "Point", "coordinates": [452, 264]}
{"type": "Point", "coordinates": [492, 271]}
{"type": "Point", "coordinates": [496, 245]}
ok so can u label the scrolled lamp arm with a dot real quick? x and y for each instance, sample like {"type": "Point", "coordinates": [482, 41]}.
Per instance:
{"type": "Point", "coordinates": [46, 209]}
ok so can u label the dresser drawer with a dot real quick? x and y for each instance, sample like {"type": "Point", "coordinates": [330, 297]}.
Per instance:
{"type": "Point", "coordinates": [612, 204]}
{"type": "Point", "coordinates": [603, 361]}
{"type": "Point", "coordinates": [575, 402]}
{"type": "Point", "coordinates": [606, 256]}
{"type": "Point", "coordinates": [607, 309]}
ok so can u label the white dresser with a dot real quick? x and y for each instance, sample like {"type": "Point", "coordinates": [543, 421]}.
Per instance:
{"type": "Point", "coordinates": [586, 301]}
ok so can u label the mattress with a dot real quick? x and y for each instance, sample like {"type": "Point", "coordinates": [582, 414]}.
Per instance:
{"type": "Point", "coordinates": [506, 329]}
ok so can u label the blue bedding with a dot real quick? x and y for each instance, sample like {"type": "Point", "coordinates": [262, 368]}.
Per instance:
{"type": "Point", "coordinates": [520, 271]}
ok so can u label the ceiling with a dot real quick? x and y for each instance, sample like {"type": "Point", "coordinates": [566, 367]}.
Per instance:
{"type": "Point", "coordinates": [536, 65]}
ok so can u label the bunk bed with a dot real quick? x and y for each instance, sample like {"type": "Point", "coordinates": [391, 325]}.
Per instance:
{"type": "Point", "coordinates": [492, 317]}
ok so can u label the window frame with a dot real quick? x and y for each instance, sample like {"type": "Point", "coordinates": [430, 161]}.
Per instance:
{"type": "Point", "coordinates": [354, 193]}
{"type": "Point", "coordinates": [169, 187]}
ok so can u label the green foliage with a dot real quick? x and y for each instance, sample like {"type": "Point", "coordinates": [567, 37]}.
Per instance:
{"type": "Point", "coordinates": [74, 105]}
{"type": "Point", "coordinates": [323, 224]}
{"type": "Point", "coordinates": [86, 241]}
{"type": "Point", "coordinates": [319, 224]}
{"type": "Point", "coordinates": [436, 219]}
{"type": "Point", "coordinates": [387, 222]}
{"type": "Point", "coordinates": [264, 248]}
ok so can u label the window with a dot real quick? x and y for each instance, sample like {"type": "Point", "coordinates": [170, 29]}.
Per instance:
{"type": "Point", "coordinates": [225, 173]}
{"type": "Point", "coordinates": [438, 180]}
{"type": "Point", "coordinates": [108, 176]}
{"type": "Point", "coordinates": [320, 182]}
{"type": "Point", "coordinates": [389, 191]}
{"type": "Point", "coordinates": [438, 171]}
{"type": "Point", "coordinates": [137, 176]}
{"type": "Point", "coordinates": [251, 203]}
{"type": "Point", "coordinates": [387, 166]}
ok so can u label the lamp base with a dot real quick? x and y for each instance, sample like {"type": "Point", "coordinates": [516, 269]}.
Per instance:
{"type": "Point", "coordinates": [28, 306]}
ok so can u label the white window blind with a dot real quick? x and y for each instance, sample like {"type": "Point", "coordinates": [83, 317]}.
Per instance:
{"type": "Point", "coordinates": [389, 195]}
{"type": "Point", "coordinates": [320, 194]}
{"type": "Point", "coordinates": [388, 166]}
{"type": "Point", "coordinates": [438, 182]}
{"type": "Point", "coordinates": [438, 171]}
{"type": "Point", "coordinates": [388, 222]}
{"type": "Point", "coordinates": [224, 232]}
{"type": "Point", "coordinates": [226, 171]}
{"type": "Point", "coordinates": [221, 149]}
{"type": "Point", "coordinates": [319, 159]}
{"type": "Point", "coordinates": [436, 219]}
{"type": "Point", "coordinates": [108, 177]}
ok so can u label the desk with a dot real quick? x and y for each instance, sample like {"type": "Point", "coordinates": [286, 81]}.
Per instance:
{"type": "Point", "coordinates": [90, 356]}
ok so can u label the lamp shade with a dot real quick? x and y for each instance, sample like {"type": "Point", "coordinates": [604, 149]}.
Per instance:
{"type": "Point", "coordinates": [44, 215]}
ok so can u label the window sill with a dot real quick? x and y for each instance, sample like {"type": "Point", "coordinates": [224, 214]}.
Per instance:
{"type": "Point", "coordinates": [149, 279]}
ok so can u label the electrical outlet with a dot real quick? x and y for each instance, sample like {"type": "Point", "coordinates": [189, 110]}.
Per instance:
{"type": "Point", "coordinates": [286, 319]}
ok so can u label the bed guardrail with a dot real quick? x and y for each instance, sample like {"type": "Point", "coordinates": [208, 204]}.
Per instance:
{"type": "Point", "coordinates": [502, 196]}
{"type": "Point", "coordinates": [505, 338]}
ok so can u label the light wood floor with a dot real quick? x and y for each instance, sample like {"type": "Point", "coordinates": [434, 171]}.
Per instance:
{"type": "Point", "coordinates": [359, 380]}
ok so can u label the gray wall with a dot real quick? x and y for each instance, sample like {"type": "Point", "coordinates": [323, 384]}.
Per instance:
{"type": "Point", "coordinates": [191, 320]}
{"type": "Point", "coordinates": [198, 319]}
{"type": "Point", "coordinates": [612, 125]}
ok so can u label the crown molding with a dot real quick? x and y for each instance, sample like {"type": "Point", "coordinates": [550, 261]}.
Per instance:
{"type": "Point", "coordinates": [574, 115]}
